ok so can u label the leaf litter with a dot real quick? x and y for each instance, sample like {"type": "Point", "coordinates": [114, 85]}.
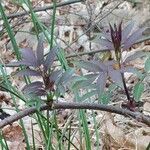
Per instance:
{"type": "Point", "coordinates": [117, 131]}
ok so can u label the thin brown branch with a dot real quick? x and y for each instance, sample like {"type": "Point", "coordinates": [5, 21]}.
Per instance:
{"type": "Point", "coordinates": [83, 53]}
{"type": "Point", "coordinates": [96, 23]}
{"type": "Point", "coordinates": [38, 9]}
{"type": "Point", "coordinates": [102, 50]}
{"type": "Point", "coordinates": [74, 105]}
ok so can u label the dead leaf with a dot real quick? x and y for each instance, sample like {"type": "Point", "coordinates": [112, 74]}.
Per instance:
{"type": "Point", "coordinates": [13, 132]}
{"type": "Point", "coordinates": [14, 137]}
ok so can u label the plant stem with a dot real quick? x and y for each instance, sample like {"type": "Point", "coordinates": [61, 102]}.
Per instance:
{"type": "Point", "coordinates": [125, 88]}
{"type": "Point", "coordinates": [53, 24]}
{"type": "Point", "coordinates": [123, 79]}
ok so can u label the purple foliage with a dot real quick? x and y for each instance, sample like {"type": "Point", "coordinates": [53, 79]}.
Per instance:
{"type": "Point", "coordinates": [105, 69]}
{"type": "Point", "coordinates": [34, 87]}
{"type": "Point", "coordinates": [116, 36]}
{"type": "Point", "coordinates": [116, 39]}
{"type": "Point", "coordinates": [132, 39]}
{"type": "Point", "coordinates": [29, 57]}
{"type": "Point", "coordinates": [50, 58]}
{"type": "Point", "coordinates": [40, 52]}
{"type": "Point", "coordinates": [37, 65]}
{"type": "Point", "coordinates": [28, 72]}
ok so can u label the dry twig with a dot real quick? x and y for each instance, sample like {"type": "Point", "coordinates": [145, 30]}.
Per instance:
{"type": "Point", "coordinates": [38, 9]}
{"type": "Point", "coordinates": [74, 105]}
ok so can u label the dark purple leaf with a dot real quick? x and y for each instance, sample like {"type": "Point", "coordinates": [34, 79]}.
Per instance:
{"type": "Point", "coordinates": [28, 72]}
{"type": "Point", "coordinates": [55, 75]}
{"type": "Point", "coordinates": [29, 56]}
{"type": "Point", "coordinates": [40, 51]}
{"type": "Point", "coordinates": [101, 82]}
{"type": "Point", "coordinates": [32, 87]}
{"type": "Point", "coordinates": [134, 56]}
{"type": "Point", "coordinates": [116, 76]}
{"type": "Point", "coordinates": [119, 32]}
{"type": "Point", "coordinates": [107, 36]}
{"type": "Point", "coordinates": [101, 65]}
{"type": "Point", "coordinates": [50, 58]}
{"type": "Point", "coordinates": [66, 76]}
{"type": "Point", "coordinates": [110, 63]}
{"type": "Point", "coordinates": [133, 38]}
{"type": "Point", "coordinates": [126, 31]}
{"type": "Point", "coordinates": [22, 62]}
{"type": "Point", "coordinates": [112, 33]}
{"type": "Point", "coordinates": [38, 92]}
{"type": "Point", "coordinates": [90, 66]}
{"type": "Point", "coordinates": [106, 43]}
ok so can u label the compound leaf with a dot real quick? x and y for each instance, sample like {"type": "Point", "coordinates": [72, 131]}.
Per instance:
{"type": "Point", "coordinates": [138, 90]}
{"type": "Point", "coordinates": [147, 65]}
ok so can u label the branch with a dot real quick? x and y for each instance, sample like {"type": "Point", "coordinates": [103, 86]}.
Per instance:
{"type": "Point", "coordinates": [83, 53]}
{"type": "Point", "coordinates": [74, 105]}
{"type": "Point", "coordinates": [103, 50]}
{"type": "Point", "coordinates": [38, 9]}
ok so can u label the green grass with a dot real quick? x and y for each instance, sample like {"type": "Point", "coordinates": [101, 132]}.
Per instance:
{"type": "Point", "coordinates": [8, 86]}
{"type": "Point", "coordinates": [46, 121]}
{"type": "Point", "coordinates": [53, 135]}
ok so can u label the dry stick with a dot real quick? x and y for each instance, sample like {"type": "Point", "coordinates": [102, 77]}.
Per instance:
{"type": "Point", "coordinates": [76, 105]}
{"type": "Point", "coordinates": [71, 2]}
{"type": "Point", "coordinates": [90, 28]}
{"type": "Point", "coordinates": [103, 50]}
{"type": "Point", "coordinates": [20, 14]}
{"type": "Point", "coordinates": [83, 53]}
